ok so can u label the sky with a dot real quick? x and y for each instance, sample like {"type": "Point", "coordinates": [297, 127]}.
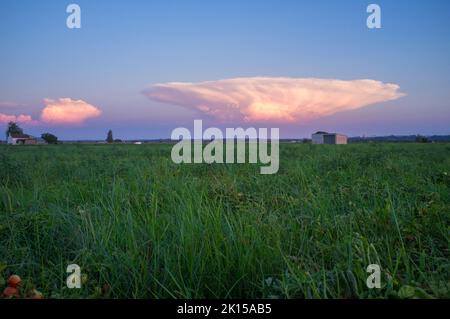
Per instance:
{"type": "Point", "coordinates": [144, 68]}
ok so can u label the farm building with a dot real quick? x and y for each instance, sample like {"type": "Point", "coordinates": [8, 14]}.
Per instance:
{"type": "Point", "coordinates": [328, 138]}
{"type": "Point", "coordinates": [18, 139]}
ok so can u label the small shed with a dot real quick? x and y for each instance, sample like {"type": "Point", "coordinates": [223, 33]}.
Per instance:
{"type": "Point", "coordinates": [328, 138]}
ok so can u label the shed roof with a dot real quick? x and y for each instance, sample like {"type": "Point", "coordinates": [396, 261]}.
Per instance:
{"type": "Point", "coordinates": [19, 135]}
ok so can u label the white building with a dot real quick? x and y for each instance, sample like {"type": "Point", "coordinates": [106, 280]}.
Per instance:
{"type": "Point", "coordinates": [17, 139]}
{"type": "Point", "coordinates": [328, 138]}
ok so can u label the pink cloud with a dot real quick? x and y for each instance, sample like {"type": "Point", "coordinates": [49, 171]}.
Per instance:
{"type": "Point", "coordinates": [273, 99]}
{"type": "Point", "coordinates": [68, 111]}
{"type": "Point", "coordinates": [64, 111]}
{"type": "Point", "coordinates": [5, 118]}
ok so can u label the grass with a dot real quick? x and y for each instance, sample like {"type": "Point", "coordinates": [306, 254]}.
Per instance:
{"type": "Point", "coordinates": [140, 226]}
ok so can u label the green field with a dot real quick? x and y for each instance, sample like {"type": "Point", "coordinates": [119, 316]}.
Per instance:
{"type": "Point", "coordinates": [140, 226]}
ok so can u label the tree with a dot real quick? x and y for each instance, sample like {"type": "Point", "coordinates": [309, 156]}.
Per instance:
{"type": "Point", "coordinates": [13, 128]}
{"type": "Point", "coordinates": [110, 138]}
{"type": "Point", "coordinates": [49, 138]}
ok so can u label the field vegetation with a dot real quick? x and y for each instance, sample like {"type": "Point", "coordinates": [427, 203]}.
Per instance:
{"type": "Point", "coordinates": [141, 226]}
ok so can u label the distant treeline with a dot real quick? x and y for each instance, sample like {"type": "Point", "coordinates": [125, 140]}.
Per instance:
{"type": "Point", "coordinates": [400, 138]}
{"type": "Point", "coordinates": [355, 139]}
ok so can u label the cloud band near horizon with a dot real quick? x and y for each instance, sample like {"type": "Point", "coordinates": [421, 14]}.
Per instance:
{"type": "Point", "coordinates": [277, 99]}
{"type": "Point", "coordinates": [63, 111]}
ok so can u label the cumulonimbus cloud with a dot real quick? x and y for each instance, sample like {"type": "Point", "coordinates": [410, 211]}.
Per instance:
{"type": "Point", "coordinates": [68, 111]}
{"type": "Point", "coordinates": [277, 99]}
{"type": "Point", "coordinates": [64, 111]}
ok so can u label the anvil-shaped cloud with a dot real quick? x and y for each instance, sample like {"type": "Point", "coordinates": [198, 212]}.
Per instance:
{"type": "Point", "coordinates": [64, 111]}
{"type": "Point", "coordinates": [277, 99]}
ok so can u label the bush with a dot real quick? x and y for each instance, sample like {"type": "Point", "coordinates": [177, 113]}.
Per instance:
{"type": "Point", "coordinates": [422, 139]}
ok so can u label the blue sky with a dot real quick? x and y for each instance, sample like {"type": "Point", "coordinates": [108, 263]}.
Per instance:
{"type": "Point", "coordinates": [124, 47]}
